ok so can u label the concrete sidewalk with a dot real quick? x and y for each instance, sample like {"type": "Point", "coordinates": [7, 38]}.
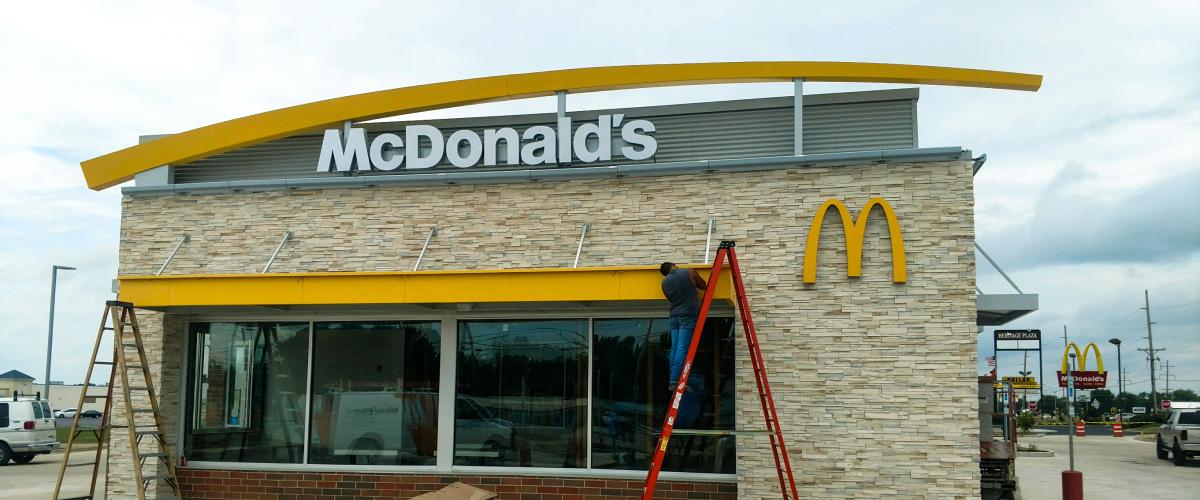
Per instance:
{"type": "Point", "coordinates": [35, 480]}
{"type": "Point", "coordinates": [1113, 468]}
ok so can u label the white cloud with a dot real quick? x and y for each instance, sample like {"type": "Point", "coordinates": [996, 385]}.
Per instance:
{"type": "Point", "coordinates": [1119, 103]}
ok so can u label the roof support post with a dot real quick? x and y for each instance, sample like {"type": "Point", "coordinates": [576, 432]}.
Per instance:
{"type": "Point", "coordinates": [997, 266]}
{"type": "Point", "coordinates": [798, 116]}
{"type": "Point", "coordinates": [579, 249]}
{"type": "Point", "coordinates": [712, 222]}
{"type": "Point", "coordinates": [167, 262]}
{"type": "Point", "coordinates": [428, 238]}
{"type": "Point", "coordinates": [287, 235]}
{"type": "Point", "coordinates": [562, 103]}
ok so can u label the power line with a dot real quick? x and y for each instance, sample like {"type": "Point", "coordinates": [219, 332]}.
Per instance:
{"type": "Point", "coordinates": [1178, 305]}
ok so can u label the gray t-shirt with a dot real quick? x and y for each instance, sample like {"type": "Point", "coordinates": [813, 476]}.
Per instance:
{"type": "Point", "coordinates": [680, 291]}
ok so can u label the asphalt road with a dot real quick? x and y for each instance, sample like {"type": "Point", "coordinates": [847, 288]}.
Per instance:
{"type": "Point", "coordinates": [1113, 468]}
{"type": "Point", "coordinates": [35, 480]}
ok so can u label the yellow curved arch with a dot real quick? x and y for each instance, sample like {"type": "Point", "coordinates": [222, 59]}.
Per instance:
{"type": "Point", "coordinates": [119, 166]}
{"type": "Point", "coordinates": [1099, 360]}
{"type": "Point", "coordinates": [1066, 353]}
{"type": "Point", "coordinates": [1083, 357]}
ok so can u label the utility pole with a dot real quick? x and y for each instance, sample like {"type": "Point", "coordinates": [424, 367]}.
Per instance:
{"type": "Point", "coordinates": [1152, 353]}
{"type": "Point", "coordinates": [1167, 378]}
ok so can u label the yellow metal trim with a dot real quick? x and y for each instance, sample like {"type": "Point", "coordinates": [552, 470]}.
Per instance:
{"type": "Point", "coordinates": [422, 287]}
{"type": "Point", "coordinates": [119, 166]}
{"type": "Point", "coordinates": [855, 231]}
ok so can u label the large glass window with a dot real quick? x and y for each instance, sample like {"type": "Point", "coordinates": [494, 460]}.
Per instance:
{"type": "Point", "coordinates": [249, 381]}
{"type": "Point", "coordinates": [522, 393]}
{"type": "Point", "coordinates": [630, 394]}
{"type": "Point", "coordinates": [375, 393]}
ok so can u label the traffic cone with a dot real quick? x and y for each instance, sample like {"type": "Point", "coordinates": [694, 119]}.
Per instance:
{"type": "Point", "coordinates": [1118, 431]}
{"type": "Point", "coordinates": [1079, 431]}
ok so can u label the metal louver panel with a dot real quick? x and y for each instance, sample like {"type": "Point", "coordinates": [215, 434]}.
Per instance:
{"type": "Point", "coordinates": [856, 121]}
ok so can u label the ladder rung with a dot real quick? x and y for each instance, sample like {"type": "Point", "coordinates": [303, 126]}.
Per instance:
{"type": "Point", "coordinates": [81, 464]}
{"type": "Point", "coordinates": [146, 433]}
{"type": "Point", "coordinates": [155, 454]}
{"type": "Point", "coordinates": [129, 344]}
{"type": "Point", "coordinates": [128, 367]}
{"type": "Point", "coordinates": [137, 388]}
{"type": "Point", "coordinates": [102, 362]}
{"type": "Point", "coordinates": [143, 410]}
{"type": "Point", "coordinates": [154, 477]}
{"type": "Point", "coordinates": [718, 432]}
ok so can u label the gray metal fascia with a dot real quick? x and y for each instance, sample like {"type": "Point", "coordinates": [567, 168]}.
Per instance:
{"type": "Point", "coordinates": [559, 174]}
{"type": "Point", "coordinates": [669, 168]}
{"type": "Point", "coordinates": [494, 177]}
{"type": "Point", "coordinates": [438, 179]}
{"type": "Point", "coordinates": [556, 174]}
{"type": "Point", "coordinates": [1008, 302]}
{"type": "Point", "coordinates": [951, 153]}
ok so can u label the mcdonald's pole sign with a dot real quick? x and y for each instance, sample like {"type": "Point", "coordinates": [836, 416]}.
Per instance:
{"type": "Point", "coordinates": [855, 230]}
{"type": "Point", "coordinates": [1084, 378]}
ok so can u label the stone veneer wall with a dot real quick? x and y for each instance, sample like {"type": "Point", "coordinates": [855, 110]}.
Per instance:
{"type": "Point", "coordinates": [874, 382]}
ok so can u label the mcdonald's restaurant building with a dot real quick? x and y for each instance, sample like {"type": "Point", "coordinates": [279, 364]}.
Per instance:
{"type": "Point", "coordinates": [342, 306]}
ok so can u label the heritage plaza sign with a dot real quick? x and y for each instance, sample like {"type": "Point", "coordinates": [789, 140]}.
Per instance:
{"type": "Point", "coordinates": [537, 145]}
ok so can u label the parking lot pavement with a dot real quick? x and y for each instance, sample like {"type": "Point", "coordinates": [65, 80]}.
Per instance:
{"type": "Point", "coordinates": [1116, 468]}
{"type": "Point", "coordinates": [85, 423]}
{"type": "Point", "coordinates": [35, 480]}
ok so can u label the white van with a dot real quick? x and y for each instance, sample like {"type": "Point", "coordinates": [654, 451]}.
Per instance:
{"type": "Point", "coordinates": [26, 429]}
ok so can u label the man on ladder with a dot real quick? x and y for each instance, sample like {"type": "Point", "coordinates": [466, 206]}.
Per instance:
{"type": "Point", "coordinates": [783, 466]}
{"type": "Point", "coordinates": [680, 287]}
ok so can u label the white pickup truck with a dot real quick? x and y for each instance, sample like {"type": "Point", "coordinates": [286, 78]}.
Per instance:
{"type": "Point", "coordinates": [1180, 436]}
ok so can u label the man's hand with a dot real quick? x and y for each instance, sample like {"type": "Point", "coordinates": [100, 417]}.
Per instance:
{"type": "Point", "coordinates": [696, 279]}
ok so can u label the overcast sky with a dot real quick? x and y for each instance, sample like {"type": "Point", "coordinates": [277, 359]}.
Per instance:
{"type": "Point", "coordinates": [1089, 196]}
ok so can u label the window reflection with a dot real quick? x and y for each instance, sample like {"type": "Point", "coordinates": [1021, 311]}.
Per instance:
{"type": "Point", "coordinates": [630, 394]}
{"type": "Point", "coordinates": [249, 392]}
{"type": "Point", "coordinates": [521, 393]}
{"type": "Point", "coordinates": [375, 392]}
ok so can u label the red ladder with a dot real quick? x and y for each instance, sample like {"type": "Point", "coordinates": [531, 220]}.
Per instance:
{"type": "Point", "coordinates": [783, 468]}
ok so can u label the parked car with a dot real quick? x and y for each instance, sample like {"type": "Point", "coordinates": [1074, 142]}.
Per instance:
{"type": "Point", "coordinates": [1180, 436]}
{"type": "Point", "coordinates": [26, 430]}
{"type": "Point", "coordinates": [91, 414]}
{"type": "Point", "coordinates": [67, 413]}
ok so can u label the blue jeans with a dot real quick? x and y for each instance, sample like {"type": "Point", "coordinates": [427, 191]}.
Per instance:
{"type": "Point", "coordinates": [682, 328]}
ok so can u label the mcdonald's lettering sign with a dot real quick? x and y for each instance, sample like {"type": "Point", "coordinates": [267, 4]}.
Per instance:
{"type": "Point", "coordinates": [855, 230]}
{"type": "Point", "coordinates": [1084, 378]}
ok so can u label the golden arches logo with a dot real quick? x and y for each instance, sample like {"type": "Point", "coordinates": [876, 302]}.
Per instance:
{"type": "Point", "coordinates": [855, 230]}
{"type": "Point", "coordinates": [1083, 357]}
{"type": "Point", "coordinates": [1083, 378]}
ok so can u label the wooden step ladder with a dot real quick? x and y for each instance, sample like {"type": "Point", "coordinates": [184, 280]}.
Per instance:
{"type": "Point", "coordinates": [783, 466]}
{"type": "Point", "coordinates": [126, 336]}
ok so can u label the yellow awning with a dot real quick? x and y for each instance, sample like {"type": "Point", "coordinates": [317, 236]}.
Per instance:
{"type": "Point", "coordinates": [627, 283]}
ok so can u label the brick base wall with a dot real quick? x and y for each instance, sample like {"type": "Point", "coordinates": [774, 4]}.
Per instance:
{"type": "Point", "coordinates": [229, 484]}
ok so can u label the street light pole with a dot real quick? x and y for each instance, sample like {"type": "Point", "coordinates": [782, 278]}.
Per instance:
{"type": "Point", "coordinates": [50, 336]}
{"type": "Point", "coordinates": [1120, 377]}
